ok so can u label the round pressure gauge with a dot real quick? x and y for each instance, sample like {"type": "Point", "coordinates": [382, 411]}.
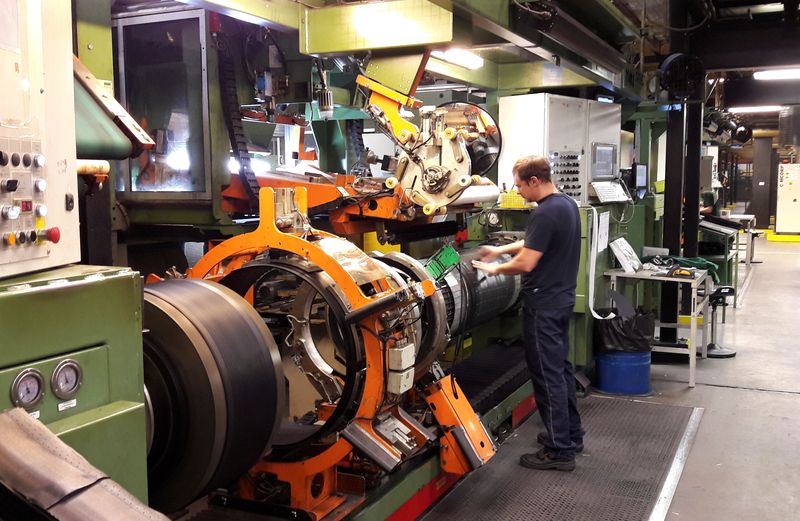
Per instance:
{"type": "Point", "coordinates": [27, 390]}
{"type": "Point", "coordinates": [67, 379]}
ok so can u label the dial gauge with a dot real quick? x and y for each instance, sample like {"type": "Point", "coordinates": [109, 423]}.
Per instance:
{"type": "Point", "coordinates": [27, 390]}
{"type": "Point", "coordinates": [67, 379]}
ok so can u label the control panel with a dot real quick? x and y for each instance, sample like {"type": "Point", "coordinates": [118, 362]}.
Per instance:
{"type": "Point", "coordinates": [609, 192]}
{"type": "Point", "coordinates": [567, 173]}
{"type": "Point", "coordinates": [38, 180]}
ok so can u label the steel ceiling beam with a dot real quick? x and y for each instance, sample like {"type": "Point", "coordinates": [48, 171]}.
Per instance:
{"type": "Point", "coordinates": [559, 48]}
{"type": "Point", "coordinates": [747, 46]}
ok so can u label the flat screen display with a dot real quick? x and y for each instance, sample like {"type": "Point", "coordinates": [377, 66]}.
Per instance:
{"type": "Point", "coordinates": [604, 161]}
{"type": "Point", "coordinates": [641, 176]}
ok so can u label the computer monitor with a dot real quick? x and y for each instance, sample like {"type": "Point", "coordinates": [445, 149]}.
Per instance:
{"type": "Point", "coordinates": [640, 174]}
{"type": "Point", "coordinates": [604, 162]}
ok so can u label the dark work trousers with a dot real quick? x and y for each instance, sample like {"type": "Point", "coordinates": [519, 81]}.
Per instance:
{"type": "Point", "coordinates": [546, 340]}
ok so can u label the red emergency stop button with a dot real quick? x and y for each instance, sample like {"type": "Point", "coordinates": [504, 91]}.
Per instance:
{"type": "Point", "coordinates": [51, 234]}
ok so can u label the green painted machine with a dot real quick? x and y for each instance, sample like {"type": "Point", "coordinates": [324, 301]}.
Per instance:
{"type": "Point", "coordinates": [72, 357]}
{"type": "Point", "coordinates": [71, 343]}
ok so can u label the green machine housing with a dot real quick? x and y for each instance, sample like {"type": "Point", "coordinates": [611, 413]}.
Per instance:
{"type": "Point", "coordinates": [92, 316]}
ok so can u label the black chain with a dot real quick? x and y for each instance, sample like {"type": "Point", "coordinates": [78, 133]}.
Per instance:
{"type": "Point", "coordinates": [233, 119]}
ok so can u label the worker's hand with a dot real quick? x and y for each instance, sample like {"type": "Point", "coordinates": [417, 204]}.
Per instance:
{"type": "Point", "coordinates": [491, 269]}
{"type": "Point", "coordinates": [489, 253]}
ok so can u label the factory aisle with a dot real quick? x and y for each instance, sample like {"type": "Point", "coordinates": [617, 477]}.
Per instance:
{"type": "Point", "coordinates": [744, 463]}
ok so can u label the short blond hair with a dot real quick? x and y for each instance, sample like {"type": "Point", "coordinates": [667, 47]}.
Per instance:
{"type": "Point", "coordinates": [532, 166]}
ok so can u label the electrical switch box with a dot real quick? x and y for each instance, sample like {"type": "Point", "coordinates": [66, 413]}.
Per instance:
{"type": "Point", "coordinates": [787, 217]}
{"type": "Point", "coordinates": [401, 358]}
{"type": "Point", "coordinates": [400, 382]}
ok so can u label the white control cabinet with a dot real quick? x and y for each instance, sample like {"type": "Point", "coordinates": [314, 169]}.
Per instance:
{"type": "Point", "coordinates": [38, 177]}
{"type": "Point", "coordinates": [787, 219]}
{"type": "Point", "coordinates": [569, 131]}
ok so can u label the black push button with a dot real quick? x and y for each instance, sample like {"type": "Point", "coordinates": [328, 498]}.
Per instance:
{"type": "Point", "coordinates": [9, 185]}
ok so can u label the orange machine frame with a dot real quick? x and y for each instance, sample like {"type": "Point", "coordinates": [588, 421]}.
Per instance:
{"type": "Point", "coordinates": [313, 481]}
{"type": "Point", "coordinates": [368, 213]}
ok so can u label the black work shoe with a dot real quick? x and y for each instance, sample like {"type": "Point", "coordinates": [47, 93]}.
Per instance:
{"type": "Point", "coordinates": [543, 460]}
{"type": "Point", "coordinates": [542, 438]}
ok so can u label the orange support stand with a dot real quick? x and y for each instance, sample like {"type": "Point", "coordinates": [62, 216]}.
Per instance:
{"type": "Point", "coordinates": [466, 445]}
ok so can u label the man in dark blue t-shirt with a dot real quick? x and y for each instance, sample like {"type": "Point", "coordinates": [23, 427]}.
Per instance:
{"type": "Point", "coordinates": [548, 260]}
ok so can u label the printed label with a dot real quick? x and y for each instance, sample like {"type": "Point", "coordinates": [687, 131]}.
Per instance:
{"type": "Point", "coordinates": [69, 404]}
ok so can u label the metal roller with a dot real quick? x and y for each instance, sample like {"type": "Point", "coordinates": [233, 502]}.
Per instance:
{"type": "Point", "coordinates": [214, 387]}
{"type": "Point", "coordinates": [473, 297]}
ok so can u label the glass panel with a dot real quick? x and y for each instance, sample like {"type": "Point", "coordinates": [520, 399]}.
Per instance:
{"type": "Point", "coordinates": [163, 85]}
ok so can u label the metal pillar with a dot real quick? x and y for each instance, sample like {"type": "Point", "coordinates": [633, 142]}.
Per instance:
{"type": "Point", "coordinates": [691, 184]}
{"type": "Point", "coordinates": [762, 180]}
{"type": "Point", "coordinates": [673, 198]}
{"type": "Point", "coordinates": [673, 189]}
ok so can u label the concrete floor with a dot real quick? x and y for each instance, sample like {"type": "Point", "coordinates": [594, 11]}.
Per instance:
{"type": "Point", "coordinates": [745, 460]}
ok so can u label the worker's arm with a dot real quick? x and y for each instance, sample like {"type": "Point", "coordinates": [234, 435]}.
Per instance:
{"type": "Point", "coordinates": [489, 253]}
{"type": "Point", "coordinates": [523, 262]}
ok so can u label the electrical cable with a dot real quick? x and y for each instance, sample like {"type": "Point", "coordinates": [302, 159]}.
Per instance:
{"type": "Point", "coordinates": [678, 29]}
{"type": "Point", "coordinates": [544, 15]}
{"type": "Point", "coordinates": [621, 219]}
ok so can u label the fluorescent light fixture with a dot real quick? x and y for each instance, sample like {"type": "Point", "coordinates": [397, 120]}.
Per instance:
{"type": "Point", "coordinates": [760, 108]}
{"type": "Point", "coordinates": [777, 74]}
{"type": "Point", "coordinates": [460, 57]}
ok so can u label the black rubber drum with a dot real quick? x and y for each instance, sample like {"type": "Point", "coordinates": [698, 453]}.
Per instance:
{"type": "Point", "coordinates": [214, 387]}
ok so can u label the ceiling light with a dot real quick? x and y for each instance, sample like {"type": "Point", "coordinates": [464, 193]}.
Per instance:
{"type": "Point", "coordinates": [778, 74]}
{"type": "Point", "coordinates": [719, 80]}
{"type": "Point", "coordinates": [461, 57]}
{"type": "Point", "coordinates": [761, 108]}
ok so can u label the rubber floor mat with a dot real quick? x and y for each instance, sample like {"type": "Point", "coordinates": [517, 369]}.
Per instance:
{"type": "Point", "coordinates": [491, 375]}
{"type": "Point", "coordinates": [629, 450]}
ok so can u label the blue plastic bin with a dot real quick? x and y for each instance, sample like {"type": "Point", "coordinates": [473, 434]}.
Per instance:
{"type": "Point", "coordinates": [623, 373]}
